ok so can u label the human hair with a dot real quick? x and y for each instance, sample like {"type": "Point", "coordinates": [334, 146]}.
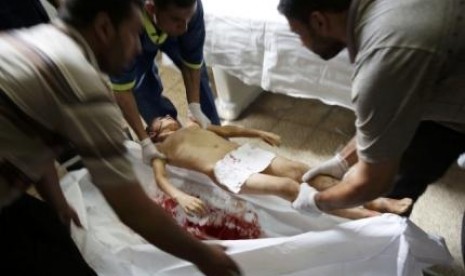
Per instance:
{"type": "Point", "coordinates": [163, 4]}
{"type": "Point", "coordinates": [301, 9]}
{"type": "Point", "coordinates": [154, 133]}
{"type": "Point", "coordinates": [81, 13]}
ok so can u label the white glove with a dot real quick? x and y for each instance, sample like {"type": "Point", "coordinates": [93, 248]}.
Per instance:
{"type": "Point", "coordinates": [195, 112]}
{"type": "Point", "coordinates": [149, 151]}
{"type": "Point", "coordinates": [305, 200]}
{"type": "Point", "coordinates": [335, 167]}
{"type": "Point", "coordinates": [461, 161]}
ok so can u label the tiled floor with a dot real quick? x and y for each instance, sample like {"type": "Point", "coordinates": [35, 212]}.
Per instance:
{"type": "Point", "coordinates": [312, 132]}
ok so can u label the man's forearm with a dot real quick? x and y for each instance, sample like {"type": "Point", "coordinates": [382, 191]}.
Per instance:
{"type": "Point", "coordinates": [349, 152]}
{"type": "Point", "coordinates": [128, 106]}
{"type": "Point", "coordinates": [191, 79]}
{"type": "Point", "coordinates": [363, 183]}
{"type": "Point", "coordinates": [49, 188]}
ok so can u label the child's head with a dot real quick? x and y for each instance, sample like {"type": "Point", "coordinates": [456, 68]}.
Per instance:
{"type": "Point", "coordinates": [162, 127]}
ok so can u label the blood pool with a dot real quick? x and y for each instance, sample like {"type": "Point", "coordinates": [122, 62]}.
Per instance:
{"type": "Point", "coordinates": [232, 220]}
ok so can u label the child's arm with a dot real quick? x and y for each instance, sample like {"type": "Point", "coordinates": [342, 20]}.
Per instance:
{"type": "Point", "coordinates": [235, 131]}
{"type": "Point", "coordinates": [190, 204]}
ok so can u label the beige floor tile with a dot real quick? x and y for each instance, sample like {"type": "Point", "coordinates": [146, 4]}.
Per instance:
{"type": "Point", "coordinates": [259, 120]}
{"type": "Point", "coordinates": [339, 120]}
{"type": "Point", "coordinates": [292, 135]}
{"type": "Point", "coordinates": [324, 143]}
{"type": "Point", "coordinates": [275, 104]}
{"type": "Point", "coordinates": [170, 77]}
{"type": "Point", "coordinates": [439, 211]}
{"type": "Point", "coordinates": [307, 112]}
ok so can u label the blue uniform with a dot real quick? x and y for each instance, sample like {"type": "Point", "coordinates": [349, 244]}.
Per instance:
{"type": "Point", "coordinates": [142, 76]}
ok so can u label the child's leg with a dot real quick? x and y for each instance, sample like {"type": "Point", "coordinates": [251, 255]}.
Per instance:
{"type": "Point", "coordinates": [284, 167]}
{"type": "Point", "coordinates": [354, 213]}
{"type": "Point", "coordinates": [389, 205]}
{"type": "Point", "coordinates": [381, 205]}
{"type": "Point", "coordinates": [263, 184]}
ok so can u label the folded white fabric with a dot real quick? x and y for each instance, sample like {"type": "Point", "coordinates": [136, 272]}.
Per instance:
{"type": "Point", "coordinates": [305, 201]}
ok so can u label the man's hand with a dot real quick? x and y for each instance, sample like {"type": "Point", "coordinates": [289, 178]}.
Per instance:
{"type": "Point", "coordinates": [335, 167]}
{"type": "Point", "coordinates": [195, 113]}
{"type": "Point", "coordinates": [191, 205]}
{"type": "Point", "coordinates": [217, 262]}
{"type": "Point", "coordinates": [149, 151]}
{"type": "Point", "coordinates": [68, 214]}
{"type": "Point", "coordinates": [270, 138]}
{"type": "Point", "coordinates": [305, 200]}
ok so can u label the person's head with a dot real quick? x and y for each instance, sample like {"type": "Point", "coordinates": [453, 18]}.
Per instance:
{"type": "Point", "coordinates": [171, 16]}
{"type": "Point", "coordinates": [162, 127]}
{"type": "Point", "coordinates": [318, 23]}
{"type": "Point", "coordinates": [111, 27]}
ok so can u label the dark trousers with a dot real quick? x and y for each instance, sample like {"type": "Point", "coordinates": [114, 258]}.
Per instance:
{"type": "Point", "coordinates": [34, 242]}
{"type": "Point", "coordinates": [433, 149]}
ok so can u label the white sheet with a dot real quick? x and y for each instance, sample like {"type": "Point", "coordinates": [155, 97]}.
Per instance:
{"type": "Point", "coordinates": [252, 41]}
{"type": "Point", "coordinates": [300, 245]}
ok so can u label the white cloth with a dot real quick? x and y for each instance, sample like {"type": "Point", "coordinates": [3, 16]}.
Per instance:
{"type": "Point", "coordinates": [298, 245]}
{"type": "Point", "coordinates": [237, 166]}
{"type": "Point", "coordinates": [250, 40]}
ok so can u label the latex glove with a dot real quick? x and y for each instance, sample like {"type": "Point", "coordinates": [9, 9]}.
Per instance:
{"type": "Point", "coordinates": [305, 200]}
{"type": "Point", "coordinates": [149, 151]}
{"type": "Point", "coordinates": [195, 113]}
{"type": "Point", "coordinates": [335, 167]}
{"type": "Point", "coordinates": [461, 161]}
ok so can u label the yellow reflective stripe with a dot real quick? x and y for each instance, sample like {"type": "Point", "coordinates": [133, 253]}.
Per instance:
{"type": "Point", "coordinates": [192, 65]}
{"type": "Point", "coordinates": [152, 31]}
{"type": "Point", "coordinates": [123, 87]}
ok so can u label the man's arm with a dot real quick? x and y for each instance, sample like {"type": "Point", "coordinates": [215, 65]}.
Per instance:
{"type": "Point", "coordinates": [388, 90]}
{"type": "Point", "coordinates": [190, 204]}
{"type": "Point", "coordinates": [235, 131]}
{"type": "Point", "coordinates": [349, 152]}
{"type": "Point", "coordinates": [50, 190]}
{"type": "Point", "coordinates": [338, 165]}
{"type": "Point", "coordinates": [128, 106]}
{"type": "Point", "coordinates": [191, 77]}
{"type": "Point", "coordinates": [363, 182]}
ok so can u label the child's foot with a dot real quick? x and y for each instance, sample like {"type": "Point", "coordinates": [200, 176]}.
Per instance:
{"type": "Point", "coordinates": [389, 205]}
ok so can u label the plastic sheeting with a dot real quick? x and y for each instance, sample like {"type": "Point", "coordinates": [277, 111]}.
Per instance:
{"type": "Point", "coordinates": [295, 244]}
{"type": "Point", "coordinates": [252, 41]}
